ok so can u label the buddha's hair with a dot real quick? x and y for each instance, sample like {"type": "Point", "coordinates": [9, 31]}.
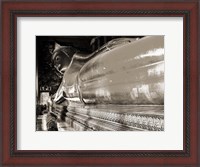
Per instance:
{"type": "Point", "coordinates": [69, 51]}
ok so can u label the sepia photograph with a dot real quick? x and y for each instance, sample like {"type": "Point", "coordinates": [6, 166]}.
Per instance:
{"type": "Point", "coordinates": [100, 83]}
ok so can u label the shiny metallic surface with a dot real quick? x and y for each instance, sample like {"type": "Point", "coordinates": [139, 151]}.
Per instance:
{"type": "Point", "coordinates": [131, 73]}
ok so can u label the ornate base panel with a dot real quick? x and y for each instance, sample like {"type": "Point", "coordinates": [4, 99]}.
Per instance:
{"type": "Point", "coordinates": [113, 117]}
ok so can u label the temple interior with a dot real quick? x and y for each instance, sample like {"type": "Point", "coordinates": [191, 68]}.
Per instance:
{"type": "Point", "coordinates": [100, 83]}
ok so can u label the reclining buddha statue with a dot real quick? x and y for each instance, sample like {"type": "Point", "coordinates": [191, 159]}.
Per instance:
{"type": "Point", "coordinates": [123, 71]}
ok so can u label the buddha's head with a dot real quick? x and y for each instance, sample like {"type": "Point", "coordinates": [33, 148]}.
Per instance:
{"type": "Point", "coordinates": [61, 57]}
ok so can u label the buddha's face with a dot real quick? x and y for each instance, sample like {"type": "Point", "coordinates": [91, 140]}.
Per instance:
{"type": "Point", "coordinates": [62, 57]}
{"type": "Point", "coordinates": [60, 61]}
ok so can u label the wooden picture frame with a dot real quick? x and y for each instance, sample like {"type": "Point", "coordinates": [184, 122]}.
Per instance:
{"type": "Point", "coordinates": [188, 10]}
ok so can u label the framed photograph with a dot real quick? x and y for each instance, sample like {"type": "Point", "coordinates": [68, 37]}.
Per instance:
{"type": "Point", "coordinates": [100, 83]}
